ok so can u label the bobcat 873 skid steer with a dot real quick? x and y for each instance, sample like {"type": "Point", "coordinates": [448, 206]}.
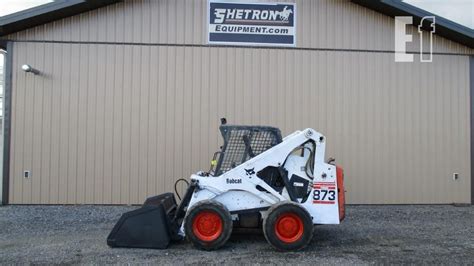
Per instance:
{"type": "Point", "coordinates": [256, 180]}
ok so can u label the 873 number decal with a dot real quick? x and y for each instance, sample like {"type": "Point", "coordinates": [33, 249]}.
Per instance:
{"type": "Point", "coordinates": [324, 196]}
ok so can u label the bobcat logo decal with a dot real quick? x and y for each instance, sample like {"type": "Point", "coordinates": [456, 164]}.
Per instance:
{"type": "Point", "coordinates": [250, 171]}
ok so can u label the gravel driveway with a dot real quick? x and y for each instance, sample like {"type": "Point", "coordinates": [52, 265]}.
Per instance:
{"type": "Point", "coordinates": [370, 234]}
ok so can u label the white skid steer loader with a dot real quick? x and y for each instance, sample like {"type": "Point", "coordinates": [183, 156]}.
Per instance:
{"type": "Point", "coordinates": [257, 180]}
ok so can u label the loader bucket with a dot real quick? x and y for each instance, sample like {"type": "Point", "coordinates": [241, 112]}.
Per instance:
{"type": "Point", "coordinates": [147, 227]}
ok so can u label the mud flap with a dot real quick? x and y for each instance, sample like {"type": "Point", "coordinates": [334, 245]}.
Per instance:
{"type": "Point", "coordinates": [151, 226]}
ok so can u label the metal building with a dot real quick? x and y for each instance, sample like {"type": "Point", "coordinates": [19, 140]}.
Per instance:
{"type": "Point", "coordinates": [130, 93]}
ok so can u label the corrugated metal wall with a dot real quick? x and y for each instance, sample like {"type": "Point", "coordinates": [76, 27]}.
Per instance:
{"type": "Point", "coordinates": [123, 122]}
{"type": "Point", "coordinates": [111, 123]}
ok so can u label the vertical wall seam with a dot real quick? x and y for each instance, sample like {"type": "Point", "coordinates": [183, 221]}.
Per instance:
{"type": "Point", "coordinates": [60, 131]}
{"type": "Point", "coordinates": [68, 135]}
{"type": "Point", "coordinates": [94, 125]}
{"type": "Point", "coordinates": [7, 97]}
{"type": "Point", "coordinates": [33, 107]}
{"type": "Point", "coordinates": [42, 130]}
{"type": "Point", "coordinates": [86, 128]}
{"type": "Point", "coordinates": [121, 123]}
{"type": "Point", "coordinates": [76, 174]}
{"type": "Point", "coordinates": [53, 67]}
{"type": "Point", "coordinates": [148, 120]}
{"type": "Point", "coordinates": [112, 172]}
{"type": "Point", "coordinates": [24, 117]}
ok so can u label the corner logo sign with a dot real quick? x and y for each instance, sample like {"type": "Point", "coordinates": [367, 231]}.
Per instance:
{"type": "Point", "coordinates": [240, 23]}
{"type": "Point", "coordinates": [401, 38]}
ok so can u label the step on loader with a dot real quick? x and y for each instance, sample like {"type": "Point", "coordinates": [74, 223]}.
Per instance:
{"type": "Point", "coordinates": [256, 180]}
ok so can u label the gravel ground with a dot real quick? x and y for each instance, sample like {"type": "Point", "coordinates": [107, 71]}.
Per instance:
{"type": "Point", "coordinates": [370, 234]}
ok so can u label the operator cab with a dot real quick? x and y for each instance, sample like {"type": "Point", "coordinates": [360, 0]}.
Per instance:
{"type": "Point", "coordinates": [242, 143]}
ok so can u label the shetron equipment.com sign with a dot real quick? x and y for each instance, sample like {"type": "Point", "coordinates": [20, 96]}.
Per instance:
{"type": "Point", "coordinates": [241, 23]}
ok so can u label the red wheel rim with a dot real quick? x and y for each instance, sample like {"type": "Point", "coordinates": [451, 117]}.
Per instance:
{"type": "Point", "coordinates": [207, 226]}
{"type": "Point", "coordinates": [289, 228]}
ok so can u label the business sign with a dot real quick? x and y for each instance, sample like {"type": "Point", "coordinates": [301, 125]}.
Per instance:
{"type": "Point", "coordinates": [241, 23]}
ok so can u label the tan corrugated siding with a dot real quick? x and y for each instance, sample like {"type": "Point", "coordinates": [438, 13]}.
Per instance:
{"type": "Point", "coordinates": [116, 123]}
{"type": "Point", "coordinates": [334, 24]}
{"type": "Point", "coordinates": [109, 123]}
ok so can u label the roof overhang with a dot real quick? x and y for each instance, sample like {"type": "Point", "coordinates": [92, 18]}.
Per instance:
{"type": "Point", "coordinates": [48, 12]}
{"type": "Point", "coordinates": [444, 27]}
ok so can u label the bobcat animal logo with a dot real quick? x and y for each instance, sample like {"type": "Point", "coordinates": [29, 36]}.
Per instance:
{"type": "Point", "coordinates": [285, 14]}
{"type": "Point", "coordinates": [250, 171]}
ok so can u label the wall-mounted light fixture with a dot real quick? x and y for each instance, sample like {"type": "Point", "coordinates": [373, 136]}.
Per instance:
{"type": "Point", "coordinates": [30, 69]}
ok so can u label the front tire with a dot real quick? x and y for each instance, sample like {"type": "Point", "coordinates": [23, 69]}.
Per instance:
{"type": "Point", "coordinates": [208, 225]}
{"type": "Point", "coordinates": [288, 227]}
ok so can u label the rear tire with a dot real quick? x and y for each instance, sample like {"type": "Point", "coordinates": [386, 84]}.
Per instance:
{"type": "Point", "coordinates": [208, 225]}
{"type": "Point", "coordinates": [288, 227]}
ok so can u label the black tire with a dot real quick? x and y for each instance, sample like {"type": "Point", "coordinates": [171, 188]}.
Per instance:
{"type": "Point", "coordinates": [202, 224]}
{"type": "Point", "coordinates": [299, 232]}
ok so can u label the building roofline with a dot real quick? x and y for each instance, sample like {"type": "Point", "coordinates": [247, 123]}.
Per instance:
{"type": "Point", "coordinates": [65, 8]}
{"type": "Point", "coordinates": [444, 27]}
{"type": "Point", "coordinates": [48, 12]}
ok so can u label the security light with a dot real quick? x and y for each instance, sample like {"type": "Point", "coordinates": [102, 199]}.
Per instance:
{"type": "Point", "coordinates": [28, 68]}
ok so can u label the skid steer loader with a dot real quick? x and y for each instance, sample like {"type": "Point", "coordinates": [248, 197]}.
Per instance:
{"type": "Point", "coordinates": [256, 180]}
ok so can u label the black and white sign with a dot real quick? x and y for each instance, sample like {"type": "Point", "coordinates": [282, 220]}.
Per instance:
{"type": "Point", "coordinates": [241, 23]}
